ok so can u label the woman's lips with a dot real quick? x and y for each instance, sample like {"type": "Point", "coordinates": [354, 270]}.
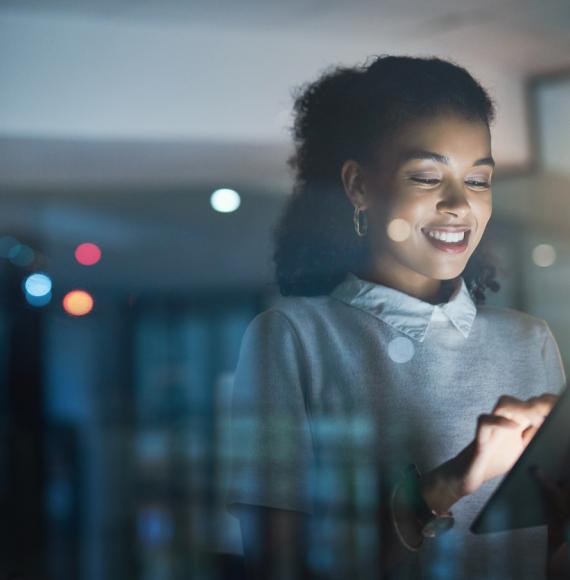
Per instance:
{"type": "Point", "coordinates": [449, 247]}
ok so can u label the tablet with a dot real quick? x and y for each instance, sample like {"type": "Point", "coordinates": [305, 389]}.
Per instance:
{"type": "Point", "coordinates": [517, 502]}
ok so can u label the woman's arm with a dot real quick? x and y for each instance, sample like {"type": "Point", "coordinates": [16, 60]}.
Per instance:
{"type": "Point", "coordinates": [276, 542]}
{"type": "Point", "coordinates": [500, 438]}
{"type": "Point", "coordinates": [276, 539]}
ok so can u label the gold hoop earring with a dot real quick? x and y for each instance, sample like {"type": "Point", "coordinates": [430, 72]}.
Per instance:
{"type": "Point", "coordinates": [360, 230]}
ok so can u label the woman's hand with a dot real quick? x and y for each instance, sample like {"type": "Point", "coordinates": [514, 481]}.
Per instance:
{"type": "Point", "coordinates": [500, 438]}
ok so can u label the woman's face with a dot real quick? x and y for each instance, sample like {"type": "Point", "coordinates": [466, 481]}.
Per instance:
{"type": "Point", "coordinates": [434, 176]}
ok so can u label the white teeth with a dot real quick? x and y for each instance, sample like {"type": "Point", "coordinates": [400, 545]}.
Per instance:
{"type": "Point", "coordinates": [446, 236]}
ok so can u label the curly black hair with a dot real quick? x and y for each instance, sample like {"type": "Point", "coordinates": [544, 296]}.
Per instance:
{"type": "Point", "coordinates": [345, 114]}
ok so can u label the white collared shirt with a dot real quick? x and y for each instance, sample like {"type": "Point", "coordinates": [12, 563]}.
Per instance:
{"type": "Point", "coordinates": [408, 313]}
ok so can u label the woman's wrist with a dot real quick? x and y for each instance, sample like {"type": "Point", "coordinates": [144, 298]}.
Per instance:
{"type": "Point", "coordinates": [443, 486]}
{"type": "Point", "coordinates": [437, 490]}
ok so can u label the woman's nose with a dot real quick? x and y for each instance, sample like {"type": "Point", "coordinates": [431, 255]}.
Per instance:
{"type": "Point", "coordinates": [454, 199]}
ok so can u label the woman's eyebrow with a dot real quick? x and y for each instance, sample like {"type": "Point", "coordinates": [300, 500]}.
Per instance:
{"type": "Point", "coordinates": [423, 154]}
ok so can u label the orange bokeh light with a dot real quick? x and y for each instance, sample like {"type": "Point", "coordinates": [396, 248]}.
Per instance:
{"type": "Point", "coordinates": [78, 303]}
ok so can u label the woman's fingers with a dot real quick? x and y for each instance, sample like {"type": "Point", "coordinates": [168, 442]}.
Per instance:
{"type": "Point", "coordinates": [529, 412]}
{"type": "Point", "coordinates": [515, 409]}
{"type": "Point", "coordinates": [543, 403]}
{"type": "Point", "coordinates": [528, 434]}
{"type": "Point", "coordinates": [487, 424]}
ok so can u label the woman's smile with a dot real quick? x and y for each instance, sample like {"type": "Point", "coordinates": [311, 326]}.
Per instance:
{"type": "Point", "coordinates": [450, 240]}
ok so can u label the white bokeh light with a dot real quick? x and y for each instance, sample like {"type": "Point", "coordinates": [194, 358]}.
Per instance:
{"type": "Point", "coordinates": [225, 200]}
{"type": "Point", "coordinates": [544, 255]}
{"type": "Point", "coordinates": [399, 230]}
{"type": "Point", "coordinates": [401, 349]}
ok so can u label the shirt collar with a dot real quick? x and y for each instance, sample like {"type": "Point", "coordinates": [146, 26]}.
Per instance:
{"type": "Point", "coordinates": [403, 311]}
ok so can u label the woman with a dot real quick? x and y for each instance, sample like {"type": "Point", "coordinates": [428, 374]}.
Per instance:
{"type": "Point", "coordinates": [381, 354]}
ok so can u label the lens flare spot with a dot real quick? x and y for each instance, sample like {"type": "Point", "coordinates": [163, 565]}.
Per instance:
{"type": "Point", "coordinates": [87, 254]}
{"type": "Point", "coordinates": [544, 255]}
{"type": "Point", "coordinates": [38, 301]}
{"type": "Point", "coordinates": [21, 255]}
{"type": "Point", "coordinates": [37, 285]}
{"type": "Point", "coordinates": [399, 230]}
{"type": "Point", "coordinates": [225, 200]}
{"type": "Point", "coordinates": [401, 349]}
{"type": "Point", "coordinates": [78, 303]}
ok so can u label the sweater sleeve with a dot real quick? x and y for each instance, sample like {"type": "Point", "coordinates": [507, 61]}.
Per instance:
{"type": "Point", "coordinates": [553, 364]}
{"type": "Point", "coordinates": [271, 449]}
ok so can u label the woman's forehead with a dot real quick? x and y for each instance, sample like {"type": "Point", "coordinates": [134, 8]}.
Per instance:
{"type": "Point", "coordinates": [441, 139]}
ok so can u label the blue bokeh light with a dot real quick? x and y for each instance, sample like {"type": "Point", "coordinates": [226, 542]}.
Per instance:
{"type": "Point", "coordinates": [37, 289]}
{"type": "Point", "coordinates": [37, 285]}
{"type": "Point", "coordinates": [38, 301]}
{"type": "Point", "coordinates": [21, 255]}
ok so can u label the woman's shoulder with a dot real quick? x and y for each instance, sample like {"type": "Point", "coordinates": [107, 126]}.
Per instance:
{"type": "Point", "coordinates": [511, 320]}
{"type": "Point", "coordinates": [304, 316]}
{"type": "Point", "coordinates": [300, 308]}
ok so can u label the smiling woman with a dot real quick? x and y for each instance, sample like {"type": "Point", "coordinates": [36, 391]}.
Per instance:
{"type": "Point", "coordinates": [380, 391]}
{"type": "Point", "coordinates": [400, 127]}
{"type": "Point", "coordinates": [435, 174]}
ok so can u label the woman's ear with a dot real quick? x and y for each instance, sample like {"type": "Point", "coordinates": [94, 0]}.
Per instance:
{"type": "Point", "coordinates": [352, 176]}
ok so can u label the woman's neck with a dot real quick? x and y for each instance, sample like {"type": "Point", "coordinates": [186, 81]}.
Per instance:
{"type": "Point", "coordinates": [427, 289]}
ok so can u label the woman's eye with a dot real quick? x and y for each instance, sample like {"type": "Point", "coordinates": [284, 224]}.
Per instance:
{"type": "Point", "coordinates": [432, 181]}
{"type": "Point", "coordinates": [476, 183]}
{"type": "Point", "coordinates": [425, 181]}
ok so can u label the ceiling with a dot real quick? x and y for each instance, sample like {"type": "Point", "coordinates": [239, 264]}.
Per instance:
{"type": "Point", "coordinates": [213, 71]}
{"type": "Point", "coordinates": [520, 21]}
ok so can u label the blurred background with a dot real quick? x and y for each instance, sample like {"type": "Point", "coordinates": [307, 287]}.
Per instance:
{"type": "Point", "coordinates": [143, 148]}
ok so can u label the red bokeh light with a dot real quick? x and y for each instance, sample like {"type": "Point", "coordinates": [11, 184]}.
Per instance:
{"type": "Point", "coordinates": [87, 254]}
